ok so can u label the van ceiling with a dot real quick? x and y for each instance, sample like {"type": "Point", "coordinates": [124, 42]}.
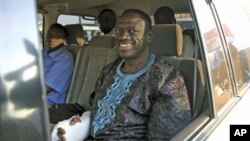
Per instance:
{"type": "Point", "coordinates": [93, 7]}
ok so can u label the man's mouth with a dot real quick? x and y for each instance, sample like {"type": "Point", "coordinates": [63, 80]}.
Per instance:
{"type": "Point", "coordinates": [124, 46]}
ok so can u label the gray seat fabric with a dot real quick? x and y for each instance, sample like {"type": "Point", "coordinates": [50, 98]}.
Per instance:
{"type": "Point", "coordinates": [89, 63]}
{"type": "Point", "coordinates": [189, 32]}
{"type": "Point", "coordinates": [188, 47]}
{"type": "Point", "coordinates": [193, 74]}
{"type": "Point", "coordinates": [106, 41]}
{"type": "Point", "coordinates": [75, 38]}
{"type": "Point", "coordinates": [168, 40]}
{"type": "Point", "coordinates": [75, 34]}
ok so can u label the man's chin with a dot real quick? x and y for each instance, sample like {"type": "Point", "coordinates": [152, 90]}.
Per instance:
{"type": "Point", "coordinates": [51, 46]}
{"type": "Point", "coordinates": [127, 56]}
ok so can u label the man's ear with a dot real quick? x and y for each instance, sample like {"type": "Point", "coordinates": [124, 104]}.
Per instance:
{"type": "Point", "coordinates": [150, 36]}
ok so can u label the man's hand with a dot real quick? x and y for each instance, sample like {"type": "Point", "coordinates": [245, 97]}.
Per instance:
{"type": "Point", "coordinates": [61, 132]}
{"type": "Point", "coordinates": [74, 129]}
{"type": "Point", "coordinates": [74, 120]}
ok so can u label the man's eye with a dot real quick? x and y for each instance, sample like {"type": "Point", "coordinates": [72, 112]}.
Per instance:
{"type": "Point", "coordinates": [132, 31]}
{"type": "Point", "coordinates": [117, 31]}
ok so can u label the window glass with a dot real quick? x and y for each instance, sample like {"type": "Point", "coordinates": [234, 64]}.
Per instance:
{"type": "Point", "coordinates": [185, 20]}
{"type": "Point", "coordinates": [73, 19]}
{"type": "Point", "coordinates": [235, 21]}
{"type": "Point", "coordinates": [90, 26]}
{"type": "Point", "coordinates": [217, 66]}
{"type": "Point", "coordinates": [40, 29]}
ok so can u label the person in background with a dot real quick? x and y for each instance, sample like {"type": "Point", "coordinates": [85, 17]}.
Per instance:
{"type": "Point", "coordinates": [107, 21]}
{"type": "Point", "coordinates": [58, 65]}
{"type": "Point", "coordinates": [139, 96]}
{"type": "Point", "coordinates": [165, 15]}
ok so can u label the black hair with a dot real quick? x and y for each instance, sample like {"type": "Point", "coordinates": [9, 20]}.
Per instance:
{"type": "Point", "coordinates": [60, 29]}
{"type": "Point", "coordinates": [107, 10]}
{"type": "Point", "coordinates": [109, 20]}
{"type": "Point", "coordinates": [164, 15]}
{"type": "Point", "coordinates": [143, 15]}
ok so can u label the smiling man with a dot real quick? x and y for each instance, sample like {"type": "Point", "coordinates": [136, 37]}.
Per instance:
{"type": "Point", "coordinates": [58, 65]}
{"type": "Point", "coordinates": [139, 96]}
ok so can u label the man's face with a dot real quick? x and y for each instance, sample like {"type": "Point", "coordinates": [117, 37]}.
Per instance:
{"type": "Point", "coordinates": [55, 39]}
{"type": "Point", "coordinates": [130, 36]}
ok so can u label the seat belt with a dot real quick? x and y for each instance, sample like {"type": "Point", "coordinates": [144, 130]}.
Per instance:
{"type": "Point", "coordinates": [196, 51]}
{"type": "Point", "coordinates": [195, 78]}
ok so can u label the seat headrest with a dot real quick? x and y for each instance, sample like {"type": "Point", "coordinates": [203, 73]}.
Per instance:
{"type": "Point", "coordinates": [168, 40]}
{"type": "Point", "coordinates": [75, 34]}
{"type": "Point", "coordinates": [103, 41]}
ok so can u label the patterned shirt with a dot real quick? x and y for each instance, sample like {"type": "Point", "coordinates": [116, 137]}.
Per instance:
{"type": "Point", "coordinates": [152, 106]}
{"type": "Point", "coordinates": [115, 93]}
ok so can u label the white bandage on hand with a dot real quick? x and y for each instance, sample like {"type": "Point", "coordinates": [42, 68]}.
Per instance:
{"type": "Point", "coordinates": [76, 132]}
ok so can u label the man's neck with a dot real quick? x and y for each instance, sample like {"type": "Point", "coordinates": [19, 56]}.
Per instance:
{"type": "Point", "coordinates": [134, 65]}
{"type": "Point", "coordinates": [55, 48]}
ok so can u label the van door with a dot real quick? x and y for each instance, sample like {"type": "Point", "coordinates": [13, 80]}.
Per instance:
{"type": "Point", "coordinates": [22, 95]}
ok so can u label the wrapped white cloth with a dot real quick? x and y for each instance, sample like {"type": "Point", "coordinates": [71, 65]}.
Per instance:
{"type": "Point", "coordinates": [76, 132]}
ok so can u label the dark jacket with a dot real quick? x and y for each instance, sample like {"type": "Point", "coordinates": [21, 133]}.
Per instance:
{"type": "Point", "coordinates": [156, 108]}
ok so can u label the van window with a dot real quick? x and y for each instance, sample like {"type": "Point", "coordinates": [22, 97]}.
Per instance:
{"type": "Point", "coordinates": [90, 26]}
{"type": "Point", "coordinates": [237, 37]}
{"type": "Point", "coordinates": [40, 22]}
{"type": "Point", "coordinates": [73, 19]}
{"type": "Point", "coordinates": [185, 20]}
{"type": "Point", "coordinates": [221, 86]}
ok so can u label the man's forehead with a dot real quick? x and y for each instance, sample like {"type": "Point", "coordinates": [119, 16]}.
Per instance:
{"type": "Point", "coordinates": [128, 19]}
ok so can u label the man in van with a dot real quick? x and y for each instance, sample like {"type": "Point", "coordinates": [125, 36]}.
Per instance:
{"type": "Point", "coordinates": [107, 20]}
{"type": "Point", "coordinates": [58, 65]}
{"type": "Point", "coordinates": [139, 96]}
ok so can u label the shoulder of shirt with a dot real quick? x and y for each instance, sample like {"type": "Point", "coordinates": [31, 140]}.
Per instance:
{"type": "Point", "coordinates": [111, 66]}
{"type": "Point", "coordinates": [115, 63]}
{"type": "Point", "coordinates": [161, 63]}
{"type": "Point", "coordinates": [62, 54]}
{"type": "Point", "coordinates": [160, 60]}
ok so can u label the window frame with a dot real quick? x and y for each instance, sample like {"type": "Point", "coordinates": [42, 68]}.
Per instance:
{"type": "Point", "coordinates": [205, 124]}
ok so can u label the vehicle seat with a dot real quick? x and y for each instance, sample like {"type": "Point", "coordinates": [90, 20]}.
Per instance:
{"type": "Point", "coordinates": [89, 63]}
{"type": "Point", "coordinates": [75, 38]}
{"type": "Point", "coordinates": [167, 40]}
{"type": "Point", "coordinates": [188, 43]}
{"type": "Point", "coordinates": [190, 32]}
{"type": "Point", "coordinates": [103, 41]}
{"type": "Point", "coordinates": [188, 47]}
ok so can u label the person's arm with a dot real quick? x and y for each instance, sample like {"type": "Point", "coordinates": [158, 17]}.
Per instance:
{"type": "Point", "coordinates": [58, 75]}
{"type": "Point", "coordinates": [79, 132]}
{"type": "Point", "coordinates": [61, 131]}
{"type": "Point", "coordinates": [171, 110]}
{"type": "Point", "coordinates": [48, 89]}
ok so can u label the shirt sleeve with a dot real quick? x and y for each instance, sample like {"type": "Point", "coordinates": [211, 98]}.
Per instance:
{"type": "Point", "coordinates": [171, 110]}
{"type": "Point", "coordinates": [59, 75]}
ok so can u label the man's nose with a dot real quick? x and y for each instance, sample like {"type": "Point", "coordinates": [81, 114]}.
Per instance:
{"type": "Point", "coordinates": [51, 39]}
{"type": "Point", "coordinates": [124, 35]}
